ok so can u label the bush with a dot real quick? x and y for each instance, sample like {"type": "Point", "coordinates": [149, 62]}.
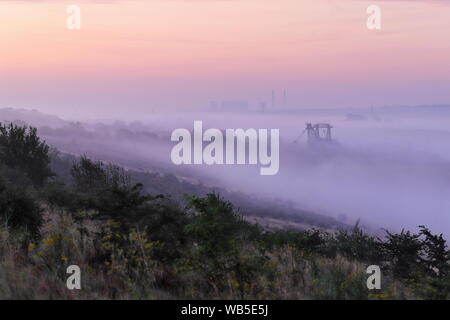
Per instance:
{"type": "Point", "coordinates": [220, 245]}
{"type": "Point", "coordinates": [359, 246]}
{"type": "Point", "coordinates": [21, 148]}
{"type": "Point", "coordinates": [436, 254]}
{"type": "Point", "coordinates": [19, 208]}
{"type": "Point", "coordinates": [404, 254]}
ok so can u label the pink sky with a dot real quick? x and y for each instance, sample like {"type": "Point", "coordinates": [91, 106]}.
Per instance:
{"type": "Point", "coordinates": [162, 54]}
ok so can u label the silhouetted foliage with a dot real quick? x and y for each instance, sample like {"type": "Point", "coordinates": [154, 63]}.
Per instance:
{"type": "Point", "coordinates": [404, 254]}
{"type": "Point", "coordinates": [435, 252]}
{"type": "Point", "coordinates": [19, 208]}
{"type": "Point", "coordinates": [357, 245]}
{"type": "Point", "coordinates": [21, 148]}
{"type": "Point", "coordinates": [219, 237]}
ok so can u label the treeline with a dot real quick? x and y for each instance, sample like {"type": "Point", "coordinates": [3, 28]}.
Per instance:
{"type": "Point", "coordinates": [133, 245]}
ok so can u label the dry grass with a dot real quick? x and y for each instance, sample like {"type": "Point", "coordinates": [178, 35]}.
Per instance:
{"type": "Point", "coordinates": [111, 271]}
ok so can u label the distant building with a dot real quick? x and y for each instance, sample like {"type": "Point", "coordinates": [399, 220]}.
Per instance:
{"type": "Point", "coordinates": [355, 116]}
{"type": "Point", "coordinates": [262, 107]}
{"type": "Point", "coordinates": [213, 106]}
{"type": "Point", "coordinates": [230, 106]}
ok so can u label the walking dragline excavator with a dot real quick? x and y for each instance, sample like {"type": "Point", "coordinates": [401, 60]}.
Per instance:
{"type": "Point", "coordinates": [316, 134]}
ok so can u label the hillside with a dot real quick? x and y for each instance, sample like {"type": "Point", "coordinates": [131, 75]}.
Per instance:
{"type": "Point", "coordinates": [109, 142]}
{"type": "Point", "coordinates": [133, 245]}
{"type": "Point", "coordinates": [30, 117]}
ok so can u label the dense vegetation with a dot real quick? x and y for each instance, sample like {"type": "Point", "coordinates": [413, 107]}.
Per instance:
{"type": "Point", "coordinates": [133, 245]}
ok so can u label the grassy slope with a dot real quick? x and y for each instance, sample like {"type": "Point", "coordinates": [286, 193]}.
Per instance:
{"type": "Point", "coordinates": [266, 212]}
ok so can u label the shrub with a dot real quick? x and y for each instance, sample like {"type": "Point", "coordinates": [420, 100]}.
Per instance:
{"type": "Point", "coordinates": [220, 239]}
{"type": "Point", "coordinates": [404, 254]}
{"type": "Point", "coordinates": [19, 208]}
{"type": "Point", "coordinates": [359, 246]}
{"type": "Point", "coordinates": [21, 148]}
{"type": "Point", "coordinates": [436, 254]}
